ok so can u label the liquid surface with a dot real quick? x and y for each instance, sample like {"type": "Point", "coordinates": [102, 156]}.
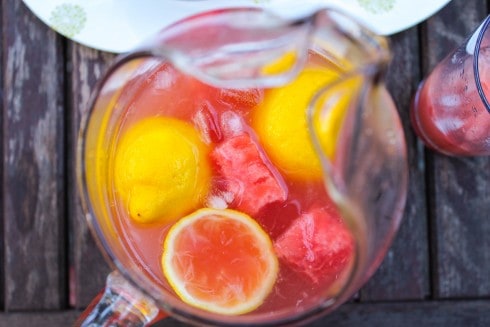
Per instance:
{"type": "Point", "coordinates": [253, 155]}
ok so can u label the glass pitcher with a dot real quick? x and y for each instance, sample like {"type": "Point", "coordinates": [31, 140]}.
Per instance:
{"type": "Point", "coordinates": [242, 169]}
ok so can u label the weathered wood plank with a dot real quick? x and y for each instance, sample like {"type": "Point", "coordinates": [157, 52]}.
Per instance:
{"type": "Point", "coordinates": [2, 113]}
{"type": "Point", "coordinates": [409, 314]}
{"type": "Point", "coordinates": [404, 273]}
{"type": "Point", "coordinates": [43, 318]}
{"type": "Point", "coordinates": [460, 187]}
{"type": "Point", "coordinates": [33, 162]}
{"type": "Point", "coordinates": [89, 268]}
{"type": "Point", "coordinates": [462, 209]}
{"type": "Point", "coordinates": [401, 314]}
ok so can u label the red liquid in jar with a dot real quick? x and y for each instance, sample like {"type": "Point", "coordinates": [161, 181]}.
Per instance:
{"type": "Point", "coordinates": [448, 113]}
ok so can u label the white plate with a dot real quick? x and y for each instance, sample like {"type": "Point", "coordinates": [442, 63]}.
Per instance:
{"type": "Point", "coordinates": [120, 25]}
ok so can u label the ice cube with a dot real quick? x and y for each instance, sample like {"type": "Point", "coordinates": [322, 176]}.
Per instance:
{"type": "Point", "coordinates": [206, 122]}
{"type": "Point", "coordinates": [232, 124]}
{"type": "Point", "coordinates": [220, 200]}
{"type": "Point", "coordinates": [164, 79]}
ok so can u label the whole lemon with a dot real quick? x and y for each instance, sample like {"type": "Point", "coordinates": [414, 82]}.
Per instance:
{"type": "Point", "coordinates": [161, 170]}
{"type": "Point", "coordinates": [281, 124]}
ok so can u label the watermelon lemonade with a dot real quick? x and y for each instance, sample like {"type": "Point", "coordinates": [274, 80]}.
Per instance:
{"type": "Point", "coordinates": [197, 168]}
{"type": "Point", "coordinates": [450, 111]}
{"type": "Point", "coordinates": [205, 158]}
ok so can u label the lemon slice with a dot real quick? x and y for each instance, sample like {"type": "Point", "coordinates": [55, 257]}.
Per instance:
{"type": "Point", "coordinates": [220, 260]}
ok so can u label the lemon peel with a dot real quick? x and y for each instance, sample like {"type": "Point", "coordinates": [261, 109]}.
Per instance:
{"type": "Point", "coordinates": [220, 260]}
{"type": "Point", "coordinates": [161, 170]}
{"type": "Point", "coordinates": [281, 124]}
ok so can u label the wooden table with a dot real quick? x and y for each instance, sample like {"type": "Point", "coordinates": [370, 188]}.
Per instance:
{"type": "Point", "coordinates": [437, 272]}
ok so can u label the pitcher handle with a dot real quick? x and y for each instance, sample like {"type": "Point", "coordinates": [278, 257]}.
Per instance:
{"type": "Point", "coordinates": [120, 304]}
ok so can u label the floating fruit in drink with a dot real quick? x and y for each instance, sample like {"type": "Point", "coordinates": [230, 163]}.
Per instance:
{"type": "Point", "coordinates": [220, 261]}
{"type": "Point", "coordinates": [281, 124]}
{"type": "Point", "coordinates": [317, 244]}
{"type": "Point", "coordinates": [229, 181]}
{"type": "Point", "coordinates": [161, 170]}
{"type": "Point", "coordinates": [247, 174]}
{"type": "Point", "coordinates": [212, 156]}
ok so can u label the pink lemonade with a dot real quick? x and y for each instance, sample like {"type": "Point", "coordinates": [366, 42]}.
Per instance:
{"type": "Point", "coordinates": [314, 248]}
{"type": "Point", "coordinates": [448, 113]}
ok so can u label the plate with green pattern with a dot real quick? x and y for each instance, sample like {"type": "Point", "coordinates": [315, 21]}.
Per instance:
{"type": "Point", "coordinates": [120, 25]}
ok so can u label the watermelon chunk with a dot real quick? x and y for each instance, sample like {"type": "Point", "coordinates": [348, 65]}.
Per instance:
{"type": "Point", "coordinates": [247, 174]}
{"type": "Point", "coordinates": [316, 244]}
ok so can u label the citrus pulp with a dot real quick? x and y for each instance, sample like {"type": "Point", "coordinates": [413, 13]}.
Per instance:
{"type": "Point", "coordinates": [220, 260]}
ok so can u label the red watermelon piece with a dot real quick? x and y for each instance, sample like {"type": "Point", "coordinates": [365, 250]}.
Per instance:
{"type": "Point", "coordinates": [317, 244]}
{"type": "Point", "coordinates": [247, 174]}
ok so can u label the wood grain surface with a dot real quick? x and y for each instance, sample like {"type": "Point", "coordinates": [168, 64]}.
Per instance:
{"type": "Point", "coordinates": [459, 188]}
{"type": "Point", "coordinates": [33, 163]}
{"type": "Point", "coordinates": [2, 196]}
{"type": "Point", "coordinates": [399, 314]}
{"type": "Point", "coordinates": [88, 268]}
{"type": "Point", "coordinates": [404, 273]}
